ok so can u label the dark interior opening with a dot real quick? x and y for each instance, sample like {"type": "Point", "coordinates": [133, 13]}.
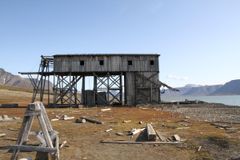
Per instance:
{"type": "Point", "coordinates": [82, 63]}
{"type": "Point", "coordinates": [151, 62]}
{"type": "Point", "coordinates": [101, 62]}
{"type": "Point", "coordinates": [129, 62]}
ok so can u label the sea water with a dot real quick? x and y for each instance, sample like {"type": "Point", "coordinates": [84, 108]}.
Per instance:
{"type": "Point", "coordinates": [233, 100]}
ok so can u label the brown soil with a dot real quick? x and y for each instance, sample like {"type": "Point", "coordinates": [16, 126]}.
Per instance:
{"type": "Point", "coordinates": [190, 122]}
{"type": "Point", "coordinates": [84, 139]}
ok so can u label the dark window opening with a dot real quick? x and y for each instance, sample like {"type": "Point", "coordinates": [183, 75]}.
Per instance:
{"type": "Point", "coordinates": [81, 63]}
{"type": "Point", "coordinates": [129, 62]}
{"type": "Point", "coordinates": [101, 62]}
{"type": "Point", "coordinates": [151, 62]}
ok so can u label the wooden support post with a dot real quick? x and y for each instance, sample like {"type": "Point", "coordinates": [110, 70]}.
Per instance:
{"type": "Point", "coordinates": [83, 97]}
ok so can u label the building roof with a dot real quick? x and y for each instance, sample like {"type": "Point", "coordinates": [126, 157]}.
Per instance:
{"type": "Point", "coordinates": [107, 54]}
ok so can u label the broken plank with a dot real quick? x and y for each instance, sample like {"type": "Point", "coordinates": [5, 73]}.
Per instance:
{"type": "Point", "coordinates": [161, 137]}
{"type": "Point", "coordinates": [136, 131]}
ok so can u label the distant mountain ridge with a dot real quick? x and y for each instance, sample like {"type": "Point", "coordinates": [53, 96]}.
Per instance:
{"type": "Point", "coordinates": [229, 88]}
{"type": "Point", "coordinates": [9, 79]}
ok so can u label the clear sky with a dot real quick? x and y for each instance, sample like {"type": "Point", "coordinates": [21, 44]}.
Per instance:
{"type": "Point", "coordinates": [199, 40]}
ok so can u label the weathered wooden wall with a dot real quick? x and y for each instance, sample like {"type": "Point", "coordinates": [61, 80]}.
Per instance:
{"type": "Point", "coordinates": [141, 76]}
{"type": "Point", "coordinates": [112, 63]}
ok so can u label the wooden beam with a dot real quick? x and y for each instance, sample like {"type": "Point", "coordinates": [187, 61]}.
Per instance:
{"type": "Point", "coordinates": [151, 134]}
{"type": "Point", "coordinates": [134, 142]}
{"type": "Point", "coordinates": [91, 120]}
{"type": "Point", "coordinates": [27, 148]}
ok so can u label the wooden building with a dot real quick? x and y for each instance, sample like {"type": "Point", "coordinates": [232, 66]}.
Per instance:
{"type": "Point", "coordinates": [125, 79]}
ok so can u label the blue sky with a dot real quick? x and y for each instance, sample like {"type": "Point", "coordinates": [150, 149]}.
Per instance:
{"type": "Point", "coordinates": [199, 40]}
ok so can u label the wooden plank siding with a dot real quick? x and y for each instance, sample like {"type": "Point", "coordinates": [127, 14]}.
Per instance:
{"type": "Point", "coordinates": [113, 63]}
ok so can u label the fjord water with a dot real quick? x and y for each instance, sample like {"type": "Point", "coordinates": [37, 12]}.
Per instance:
{"type": "Point", "coordinates": [233, 100]}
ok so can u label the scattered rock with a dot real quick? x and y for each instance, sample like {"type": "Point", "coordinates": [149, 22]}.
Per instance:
{"type": "Point", "coordinates": [140, 122]}
{"type": "Point", "coordinates": [81, 120]}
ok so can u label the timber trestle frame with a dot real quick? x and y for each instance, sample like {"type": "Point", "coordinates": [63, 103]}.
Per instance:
{"type": "Point", "coordinates": [47, 136]}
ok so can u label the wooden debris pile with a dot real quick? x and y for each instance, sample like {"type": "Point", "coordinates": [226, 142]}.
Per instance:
{"type": "Point", "coordinates": [6, 118]}
{"type": "Point", "coordinates": [62, 117]}
{"type": "Point", "coordinates": [147, 135]}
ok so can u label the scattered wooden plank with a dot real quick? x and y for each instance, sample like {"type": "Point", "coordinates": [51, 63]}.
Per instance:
{"type": "Point", "coordinates": [11, 139]}
{"type": "Point", "coordinates": [136, 131]}
{"type": "Point", "coordinates": [92, 120]}
{"type": "Point", "coordinates": [54, 119]}
{"type": "Point", "coordinates": [127, 121]}
{"type": "Point", "coordinates": [180, 128]}
{"type": "Point", "coordinates": [106, 109]}
{"type": "Point", "coordinates": [65, 117]}
{"type": "Point", "coordinates": [2, 134]}
{"type": "Point", "coordinates": [14, 105]}
{"type": "Point", "coordinates": [151, 134]}
{"type": "Point", "coordinates": [120, 134]}
{"type": "Point", "coordinates": [199, 148]}
{"type": "Point", "coordinates": [29, 148]}
{"type": "Point", "coordinates": [134, 142]}
{"type": "Point", "coordinates": [221, 125]}
{"type": "Point", "coordinates": [108, 130]}
{"type": "Point", "coordinates": [161, 137]}
{"type": "Point", "coordinates": [63, 144]}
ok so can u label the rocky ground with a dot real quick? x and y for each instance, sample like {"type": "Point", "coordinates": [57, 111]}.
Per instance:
{"type": "Point", "coordinates": [202, 138]}
{"type": "Point", "coordinates": [207, 112]}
